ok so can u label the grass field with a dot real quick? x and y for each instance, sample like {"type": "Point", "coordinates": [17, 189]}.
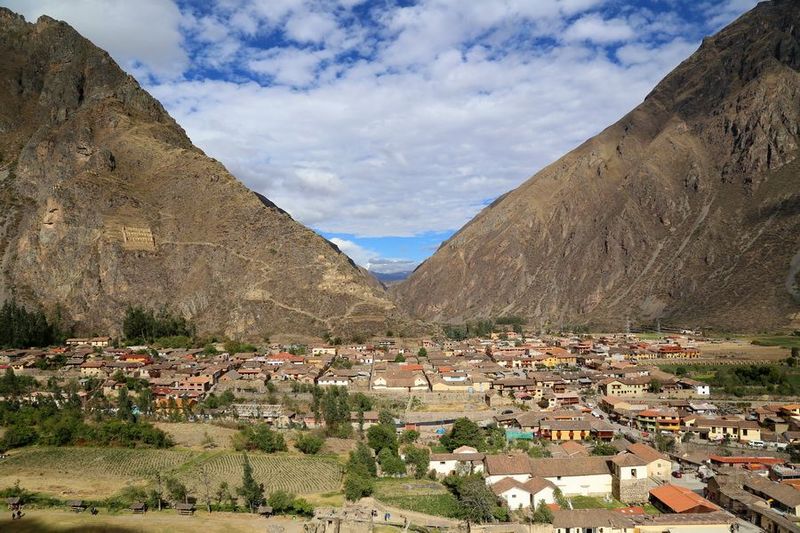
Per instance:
{"type": "Point", "coordinates": [51, 520]}
{"type": "Point", "coordinates": [422, 496]}
{"type": "Point", "coordinates": [784, 341]}
{"type": "Point", "coordinates": [95, 473]}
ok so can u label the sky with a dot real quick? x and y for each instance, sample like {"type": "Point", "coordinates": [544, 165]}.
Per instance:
{"type": "Point", "coordinates": [386, 125]}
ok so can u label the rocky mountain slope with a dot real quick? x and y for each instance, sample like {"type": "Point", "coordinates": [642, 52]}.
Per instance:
{"type": "Point", "coordinates": [105, 202]}
{"type": "Point", "coordinates": [687, 210]}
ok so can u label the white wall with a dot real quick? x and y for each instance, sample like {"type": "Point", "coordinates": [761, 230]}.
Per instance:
{"type": "Point", "coordinates": [591, 485]}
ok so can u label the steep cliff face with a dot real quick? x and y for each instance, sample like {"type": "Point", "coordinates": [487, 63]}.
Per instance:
{"type": "Point", "coordinates": [686, 210]}
{"type": "Point", "coordinates": [105, 202]}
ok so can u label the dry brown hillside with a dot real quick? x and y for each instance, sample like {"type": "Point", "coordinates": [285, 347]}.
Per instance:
{"type": "Point", "coordinates": [105, 202]}
{"type": "Point", "coordinates": [686, 210]}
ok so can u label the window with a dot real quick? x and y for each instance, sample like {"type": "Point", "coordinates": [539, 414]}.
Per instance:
{"type": "Point", "coordinates": [633, 472]}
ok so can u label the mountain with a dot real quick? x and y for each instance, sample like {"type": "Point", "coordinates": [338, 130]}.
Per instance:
{"type": "Point", "coordinates": [389, 278]}
{"type": "Point", "coordinates": [687, 210]}
{"type": "Point", "coordinates": [106, 203]}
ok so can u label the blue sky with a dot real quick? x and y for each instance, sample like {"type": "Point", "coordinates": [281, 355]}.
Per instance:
{"type": "Point", "coordinates": [386, 125]}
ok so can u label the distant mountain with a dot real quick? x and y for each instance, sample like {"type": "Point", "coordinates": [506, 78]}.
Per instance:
{"type": "Point", "coordinates": [105, 203]}
{"type": "Point", "coordinates": [389, 278]}
{"type": "Point", "coordinates": [687, 210]}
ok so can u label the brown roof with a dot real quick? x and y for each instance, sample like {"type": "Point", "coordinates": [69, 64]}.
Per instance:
{"type": "Point", "coordinates": [573, 466]}
{"type": "Point", "coordinates": [500, 465]}
{"type": "Point", "coordinates": [536, 484]}
{"type": "Point", "coordinates": [590, 518]}
{"type": "Point", "coordinates": [648, 453]}
{"type": "Point", "coordinates": [627, 459]}
{"type": "Point", "coordinates": [682, 500]}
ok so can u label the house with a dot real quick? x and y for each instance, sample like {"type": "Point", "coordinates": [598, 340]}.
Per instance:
{"type": "Point", "coordinates": [659, 466]}
{"type": "Point", "coordinates": [630, 482]}
{"type": "Point", "coordinates": [626, 387]}
{"type": "Point", "coordinates": [674, 499]}
{"type": "Point", "coordinates": [94, 368]}
{"type": "Point", "coordinates": [464, 459]}
{"type": "Point", "coordinates": [735, 429]}
{"type": "Point", "coordinates": [614, 521]}
{"type": "Point", "coordinates": [590, 476]}
{"type": "Point", "coordinates": [519, 495]}
{"type": "Point", "coordinates": [658, 420]}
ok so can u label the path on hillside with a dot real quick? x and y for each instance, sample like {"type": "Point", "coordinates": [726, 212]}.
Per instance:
{"type": "Point", "coordinates": [420, 519]}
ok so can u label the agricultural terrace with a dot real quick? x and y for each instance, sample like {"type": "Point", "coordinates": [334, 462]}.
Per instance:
{"type": "Point", "coordinates": [99, 472]}
{"type": "Point", "coordinates": [743, 380]}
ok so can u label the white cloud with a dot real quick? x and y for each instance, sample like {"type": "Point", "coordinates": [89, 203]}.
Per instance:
{"type": "Point", "coordinates": [372, 260]}
{"type": "Point", "coordinates": [143, 36]}
{"type": "Point", "coordinates": [403, 122]}
{"type": "Point", "coordinates": [596, 29]}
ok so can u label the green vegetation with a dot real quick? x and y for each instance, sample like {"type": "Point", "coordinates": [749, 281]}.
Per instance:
{"type": "Point", "coordinates": [785, 341]}
{"type": "Point", "coordinates": [20, 328]}
{"type": "Point", "coordinates": [423, 496]}
{"type": "Point", "coordinates": [309, 443]}
{"type": "Point", "coordinates": [742, 380]}
{"type": "Point", "coordinates": [604, 448]}
{"type": "Point", "coordinates": [251, 491]}
{"type": "Point", "coordinates": [542, 514]}
{"type": "Point", "coordinates": [464, 432]}
{"type": "Point", "coordinates": [590, 502]}
{"type": "Point", "coordinates": [361, 471]}
{"type": "Point", "coordinates": [50, 423]}
{"type": "Point", "coordinates": [145, 325]}
{"type": "Point", "coordinates": [476, 501]}
{"type": "Point", "coordinates": [259, 437]}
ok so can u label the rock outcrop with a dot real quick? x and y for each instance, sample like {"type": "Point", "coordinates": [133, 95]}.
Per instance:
{"type": "Point", "coordinates": [686, 211]}
{"type": "Point", "coordinates": [105, 202]}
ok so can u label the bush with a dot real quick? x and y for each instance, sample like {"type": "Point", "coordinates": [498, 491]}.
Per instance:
{"type": "Point", "coordinates": [259, 437]}
{"type": "Point", "coordinates": [357, 486]}
{"type": "Point", "coordinates": [309, 443]}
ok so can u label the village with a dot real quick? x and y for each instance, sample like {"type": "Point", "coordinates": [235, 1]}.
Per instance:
{"type": "Point", "coordinates": [583, 416]}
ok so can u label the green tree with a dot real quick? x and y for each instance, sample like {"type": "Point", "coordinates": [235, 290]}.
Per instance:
{"type": "Point", "coordinates": [176, 490]}
{"type": "Point", "coordinates": [251, 492]}
{"type": "Point", "coordinates": [309, 443]}
{"type": "Point", "coordinates": [464, 432]}
{"type": "Point", "coordinates": [654, 386]}
{"type": "Point", "coordinates": [391, 463]}
{"type": "Point", "coordinates": [357, 485]}
{"type": "Point", "coordinates": [542, 514]}
{"type": "Point", "coordinates": [604, 448]}
{"type": "Point", "coordinates": [381, 436]}
{"type": "Point", "coordinates": [409, 436]}
{"type": "Point", "coordinates": [418, 459]}
{"type": "Point", "coordinates": [422, 352]}
{"type": "Point", "coordinates": [281, 501]}
{"type": "Point", "coordinates": [362, 460]}
{"type": "Point", "coordinates": [125, 406]}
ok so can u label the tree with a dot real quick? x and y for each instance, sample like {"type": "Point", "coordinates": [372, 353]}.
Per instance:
{"type": "Point", "coordinates": [309, 443]}
{"type": "Point", "coordinates": [681, 371]}
{"type": "Point", "coordinates": [391, 463]}
{"type": "Point", "coordinates": [399, 358]}
{"type": "Point", "coordinates": [357, 486]}
{"type": "Point", "coordinates": [125, 406]}
{"type": "Point", "coordinates": [654, 386]}
{"type": "Point", "coordinates": [542, 514]}
{"type": "Point", "coordinates": [382, 436]}
{"type": "Point", "coordinates": [664, 443]}
{"type": "Point", "coordinates": [603, 448]}
{"type": "Point", "coordinates": [361, 460]}
{"type": "Point", "coordinates": [251, 491]}
{"type": "Point", "coordinates": [206, 486]}
{"type": "Point", "coordinates": [464, 432]}
{"type": "Point", "coordinates": [794, 452]}
{"type": "Point", "coordinates": [422, 352]}
{"type": "Point", "coordinates": [418, 458]}
{"type": "Point", "coordinates": [477, 501]}
{"type": "Point", "coordinates": [409, 436]}
{"type": "Point", "coordinates": [544, 403]}
{"type": "Point", "coordinates": [280, 501]}
{"type": "Point", "coordinates": [386, 417]}
{"type": "Point", "coordinates": [223, 493]}
{"type": "Point", "coordinates": [176, 490]}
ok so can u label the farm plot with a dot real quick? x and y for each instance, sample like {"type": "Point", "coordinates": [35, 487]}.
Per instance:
{"type": "Point", "coordinates": [85, 472]}
{"type": "Point", "coordinates": [296, 474]}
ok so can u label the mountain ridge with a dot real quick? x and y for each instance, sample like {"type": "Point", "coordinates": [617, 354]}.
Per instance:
{"type": "Point", "coordinates": [636, 223]}
{"type": "Point", "coordinates": [107, 203]}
